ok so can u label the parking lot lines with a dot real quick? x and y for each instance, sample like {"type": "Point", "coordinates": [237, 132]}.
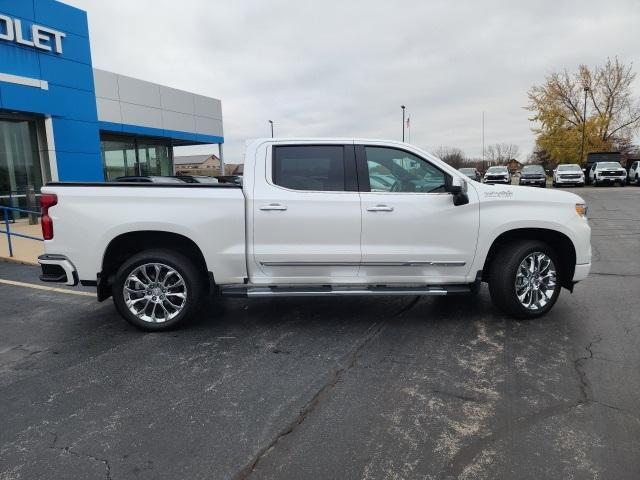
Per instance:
{"type": "Point", "coordinates": [48, 289]}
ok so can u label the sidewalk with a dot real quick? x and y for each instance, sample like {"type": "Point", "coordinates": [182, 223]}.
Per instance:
{"type": "Point", "coordinates": [24, 249]}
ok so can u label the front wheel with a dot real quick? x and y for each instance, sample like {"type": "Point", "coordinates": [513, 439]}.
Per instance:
{"type": "Point", "coordinates": [524, 280]}
{"type": "Point", "coordinates": [157, 290]}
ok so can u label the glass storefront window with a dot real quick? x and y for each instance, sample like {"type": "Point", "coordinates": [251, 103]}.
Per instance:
{"type": "Point", "coordinates": [118, 158]}
{"type": "Point", "coordinates": [122, 155]}
{"type": "Point", "coordinates": [154, 159]}
{"type": "Point", "coordinates": [20, 169]}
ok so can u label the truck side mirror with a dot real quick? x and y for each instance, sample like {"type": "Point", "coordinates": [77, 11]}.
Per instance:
{"type": "Point", "coordinates": [458, 188]}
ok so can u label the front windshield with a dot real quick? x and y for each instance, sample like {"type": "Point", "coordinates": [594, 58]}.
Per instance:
{"type": "Point", "coordinates": [532, 169]}
{"type": "Point", "coordinates": [497, 170]}
{"type": "Point", "coordinates": [468, 170]}
{"type": "Point", "coordinates": [569, 168]}
{"type": "Point", "coordinates": [609, 165]}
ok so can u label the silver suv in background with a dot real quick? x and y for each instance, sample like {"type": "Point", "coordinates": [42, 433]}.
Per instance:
{"type": "Point", "coordinates": [568, 174]}
{"type": "Point", "coordinates": [634, 173]}
{"type": "Point", "coordinates": [497, 174]}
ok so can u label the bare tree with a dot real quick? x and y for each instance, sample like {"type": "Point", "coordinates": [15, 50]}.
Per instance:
{"type": "Point", "coordinates": [501, 153]}
{"type": "Point", "coordinates": [451, 155]}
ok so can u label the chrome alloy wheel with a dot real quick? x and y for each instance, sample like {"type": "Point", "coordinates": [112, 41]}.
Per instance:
{"type": "Point", "coordinates": [155, 292]}
{"type": "Point", "coordinates": [535, 281]}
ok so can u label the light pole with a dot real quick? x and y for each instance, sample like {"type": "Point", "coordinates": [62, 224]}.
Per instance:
{"type": "Point", "coordinates": [271, 123]}
{"type": "Point", "coordinates": [402, 107]}
{"type": "Point", "coordinates": [484, 167]}
{"type": "Point", "coordinates": [584, 123]}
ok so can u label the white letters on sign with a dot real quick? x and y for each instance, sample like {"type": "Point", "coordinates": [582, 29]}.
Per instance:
{"type": "Point", "coordinates": [41, 37]}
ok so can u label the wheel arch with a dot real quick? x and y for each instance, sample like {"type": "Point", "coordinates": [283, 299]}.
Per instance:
{"type": "Point", "coordinates": [561, 243]}
{"type": "Point", "coordinates": [123, 246]}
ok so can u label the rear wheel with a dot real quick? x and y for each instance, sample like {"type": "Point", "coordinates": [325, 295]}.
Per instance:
{"type": "Point", "coordinates": [157, 290]}
{"type": "Point", "coordinates": [524, 281]}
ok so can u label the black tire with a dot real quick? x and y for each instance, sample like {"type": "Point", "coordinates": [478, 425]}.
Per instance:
{"type": "Point", "coordinates": [179, 263]}
{"type": "Point", "coordinates": [502, 278]}
{"type": "Point", "coordinates": [554, 185]}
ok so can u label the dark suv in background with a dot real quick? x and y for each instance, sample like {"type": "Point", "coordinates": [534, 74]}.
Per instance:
{"type": "Point", "coordinates": [533, 175]}
{"type": "Point", "coordinates": [472, 173]}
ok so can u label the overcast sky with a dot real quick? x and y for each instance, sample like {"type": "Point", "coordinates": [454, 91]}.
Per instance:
{"type": "Point", "coordinates": [341, 68]}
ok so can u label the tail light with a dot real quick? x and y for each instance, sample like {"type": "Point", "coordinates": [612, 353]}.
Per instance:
{"type": "Point", "coordinates": [47, 200]}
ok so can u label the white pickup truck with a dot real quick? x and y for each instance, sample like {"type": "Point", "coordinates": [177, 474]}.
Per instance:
{"type": "Point", "coordinates": [315, 217]}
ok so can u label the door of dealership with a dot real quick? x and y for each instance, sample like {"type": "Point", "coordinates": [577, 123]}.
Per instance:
{"type": "Point", "coordinates": [21, 167]}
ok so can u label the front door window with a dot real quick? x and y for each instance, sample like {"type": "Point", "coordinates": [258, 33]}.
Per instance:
{"type": "Point", "coordinates": [392, 170]}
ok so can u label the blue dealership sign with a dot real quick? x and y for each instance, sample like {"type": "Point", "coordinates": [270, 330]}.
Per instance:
{"type": "Point", "coordinates": [46, 69]}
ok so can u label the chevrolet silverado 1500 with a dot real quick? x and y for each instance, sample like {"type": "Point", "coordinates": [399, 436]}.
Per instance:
{"type": "Point", "coordinates": [315, 217]}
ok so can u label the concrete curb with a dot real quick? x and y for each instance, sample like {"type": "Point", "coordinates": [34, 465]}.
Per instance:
{"type": "Point", "coordinates": [19, 262]}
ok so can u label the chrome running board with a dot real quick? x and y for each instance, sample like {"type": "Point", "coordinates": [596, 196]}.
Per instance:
{"type": "Point", "coordinates": [341, 290]}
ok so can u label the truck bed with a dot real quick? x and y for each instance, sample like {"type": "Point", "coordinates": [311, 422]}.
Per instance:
{"type": "Point", "coordinates": [89, 216]}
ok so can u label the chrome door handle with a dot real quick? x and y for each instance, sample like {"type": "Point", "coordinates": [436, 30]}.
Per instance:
{"type": "Point", "coordinates": [273, 206]}
{"type": "Point", "coordinates": [380, 208]}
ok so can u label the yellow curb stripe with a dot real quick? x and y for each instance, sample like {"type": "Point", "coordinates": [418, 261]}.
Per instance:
{"type": "Point", "coordinates": [48, 289]}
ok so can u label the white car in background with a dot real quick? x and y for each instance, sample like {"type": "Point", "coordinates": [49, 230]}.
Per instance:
{"type": "Point", "coordinates": [568, 174]}
{"type": "Point", "coordinates": [497, 174]}
{"type": "Point", "coordinates": [607, 173]}
{"type": "Point", "coordinates": [634, 173]}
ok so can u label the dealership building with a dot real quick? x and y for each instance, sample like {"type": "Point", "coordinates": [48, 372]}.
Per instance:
{"type": "Point", "coordinates": [62, 119]}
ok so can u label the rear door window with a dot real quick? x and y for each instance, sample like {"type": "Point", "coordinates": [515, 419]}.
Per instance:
{"type": "Point", "coordinates": [319, 168]}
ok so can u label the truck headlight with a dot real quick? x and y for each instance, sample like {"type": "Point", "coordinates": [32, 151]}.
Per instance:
{"type": "Point", "coordinates": [581, 209]}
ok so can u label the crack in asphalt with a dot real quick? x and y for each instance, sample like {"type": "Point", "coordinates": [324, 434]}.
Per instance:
{"type": "Point", "coordinates": [464, 398]}
{"type": "Point", "coordinates": [337, 376]}
{"type": "Point", "coordinates": [467, 454]}
{"type": "Point", "coordinates": [68, 450]}
{"type": "Point", "coordinates": [605, 274]}
{"type": "Point", "coordinates": [578, 365]}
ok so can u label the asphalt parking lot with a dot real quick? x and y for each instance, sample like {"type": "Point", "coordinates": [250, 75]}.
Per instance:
{"type": "Point", "coordinates": [332, 388]}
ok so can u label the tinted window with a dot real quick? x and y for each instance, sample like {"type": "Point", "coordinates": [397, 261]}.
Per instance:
{"type": "Point", "coordinates": [532, 169]}
{"type": "Point", "coordinates": [309, 167]}
{"type": "Point", "coordinates": [392, 170]}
